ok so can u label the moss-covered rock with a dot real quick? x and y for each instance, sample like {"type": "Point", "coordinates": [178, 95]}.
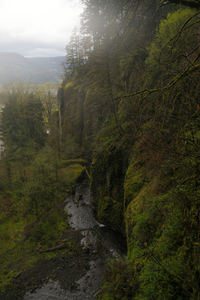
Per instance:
{"type": "Point", "coordinates": [106, 205]}
{"type": "Point", "coordinates": [70, 174]}
{"type": "Point", "coordinates": [134, 181]}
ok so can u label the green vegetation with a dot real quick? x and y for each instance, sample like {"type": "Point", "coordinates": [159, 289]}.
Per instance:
{"type": "Point", "coordinates": [127, 113]}
{"type": "Point", "coordinates": [131, 94]}
{"type": "Point", "coordinates": [33, 185]}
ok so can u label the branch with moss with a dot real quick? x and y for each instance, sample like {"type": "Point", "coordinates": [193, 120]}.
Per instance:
{"type": "Point", "coordinates": [171, 43]}
{"type": "Point", "coordinates": [189, 3]}
{"type": "Point", "coordinates": [184, 27]}
{"type": "Point", "coordinates": [171, 84]}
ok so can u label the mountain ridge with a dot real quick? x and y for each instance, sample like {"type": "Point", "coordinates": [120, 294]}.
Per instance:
{"type": "Point", "coordinates": [36, 70]}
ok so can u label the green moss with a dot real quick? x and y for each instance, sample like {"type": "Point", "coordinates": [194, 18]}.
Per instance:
{"type": "Point", "coordinates": [120, 281]}
{"type": "Point", "coordinates": [24, 231]}
{"type": "Point", "coordinates": [70, 174]}
{"type": "Point", "coordinates": [158, 219]}
{"type": "Point", "coordinates": [134, 181]}
{"type": "Point", "coordinates": [24, 241]}
{"type": "Point", "coordinates": [69, 85]}
{"type": "Point", "coordinates": [106, 205]}
{"type": "Point", "coordinates": [69, 162]}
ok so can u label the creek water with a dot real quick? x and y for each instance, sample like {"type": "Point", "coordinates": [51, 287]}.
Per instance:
{"type": "Point", "coordinates": [100, 242]}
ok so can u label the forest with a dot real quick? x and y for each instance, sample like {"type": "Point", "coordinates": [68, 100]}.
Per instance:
{"type": "Point", "coordinates": [127, 113]}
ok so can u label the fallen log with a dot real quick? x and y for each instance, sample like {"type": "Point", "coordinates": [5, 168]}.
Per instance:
{"type": "Point", "coordinates": [59, 247]}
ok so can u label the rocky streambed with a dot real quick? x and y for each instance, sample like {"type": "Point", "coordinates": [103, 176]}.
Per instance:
{"type": "Point", "coordinates": [80, 275]}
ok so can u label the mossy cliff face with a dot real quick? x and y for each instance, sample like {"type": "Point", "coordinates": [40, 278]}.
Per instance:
{"type": "Point", "coordinates": [161, 213]}
{"type": "Point", "coordinates": [107, 176]}
{"type": "Point", "coordinates": [162, 230]}
{"type": "Point", "coordinates": [152, 194]}
{"type": "Point", "coordinates": [156, 194]}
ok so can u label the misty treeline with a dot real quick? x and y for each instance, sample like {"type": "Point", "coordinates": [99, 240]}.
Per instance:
{"type": "Point", "coordinates": [130, 105]}
{"type": "Point", "coordinates": [126, 53]}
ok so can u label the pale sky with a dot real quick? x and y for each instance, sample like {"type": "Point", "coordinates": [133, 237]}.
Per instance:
{"type": "Point", "coordinates": [37, 27]}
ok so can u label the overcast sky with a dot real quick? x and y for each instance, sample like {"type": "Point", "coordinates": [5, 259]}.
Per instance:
{"type": "Point", "coordinates": [37, 27]}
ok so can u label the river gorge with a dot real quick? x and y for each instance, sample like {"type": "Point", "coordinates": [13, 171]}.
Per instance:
{"type": "Point", "coordinates": [98, 244]}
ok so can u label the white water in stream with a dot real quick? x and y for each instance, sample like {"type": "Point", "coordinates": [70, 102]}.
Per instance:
{"type": "Point", "coordinates": [95, 237]}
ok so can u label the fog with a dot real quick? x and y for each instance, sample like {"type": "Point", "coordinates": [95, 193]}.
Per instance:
{"type": "Point", "coordinates": [36, 28]}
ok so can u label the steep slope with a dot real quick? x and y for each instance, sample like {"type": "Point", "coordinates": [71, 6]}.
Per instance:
{"type": "Point", "coordinates": [132, 109]}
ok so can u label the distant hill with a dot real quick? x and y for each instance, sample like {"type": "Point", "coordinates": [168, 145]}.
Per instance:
{"type": "Point", "coordinates": [33, 70]}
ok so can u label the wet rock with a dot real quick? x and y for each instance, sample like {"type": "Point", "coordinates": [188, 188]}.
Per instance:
{"type": "Point", "coordinates": [97, 242]}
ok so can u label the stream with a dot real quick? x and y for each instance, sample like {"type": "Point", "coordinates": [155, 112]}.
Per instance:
{"type": "Point", "coordinates": [96, 239]}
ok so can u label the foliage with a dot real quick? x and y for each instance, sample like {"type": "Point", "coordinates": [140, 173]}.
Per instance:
{"type": "Point", "coordinates": [129, 105]}
{"type": "Point", "coordinates": [32, 218]}
{"type": "Point", "coordinates": [134, 110]}
{"type": "Point", "coordinates": [121, 282]}
{"type": "Point", "coordinates": [178, 29]}
{"type": "Point", "coordinates": [22, 126]}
